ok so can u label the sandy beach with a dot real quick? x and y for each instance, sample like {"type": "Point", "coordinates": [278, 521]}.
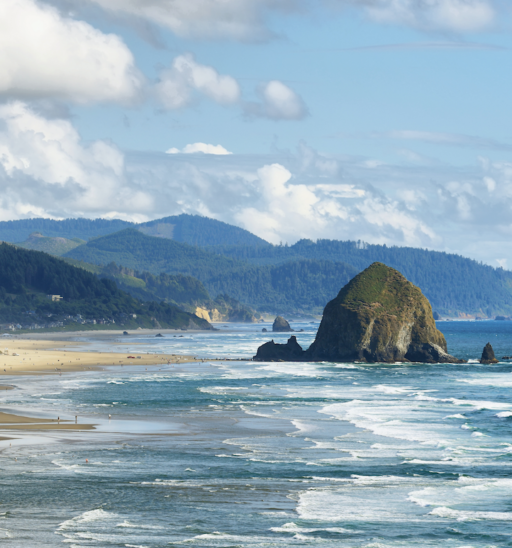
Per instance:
{"type": "Point", "coordinates": [55, 354]}
{"type": "Point", "coordinates": [28, 356]}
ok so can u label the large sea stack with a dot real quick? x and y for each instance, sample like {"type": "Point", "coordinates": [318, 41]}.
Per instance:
{"type": "Point", "coordinates": [378, 316]}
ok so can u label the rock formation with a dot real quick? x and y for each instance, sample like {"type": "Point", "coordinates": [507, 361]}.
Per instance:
{"type": "Point", "coordinates": [488, 355]}
{"type": "Point", "coordinates": [272, 352]}
{"type": "Point", "coordinates": [378, 316]}
{"type": "Point", "coordinates": [281, 325]}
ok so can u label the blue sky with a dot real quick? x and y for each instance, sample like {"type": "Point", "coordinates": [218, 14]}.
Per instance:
{"type": "Point", "coordinates": [381, 120]}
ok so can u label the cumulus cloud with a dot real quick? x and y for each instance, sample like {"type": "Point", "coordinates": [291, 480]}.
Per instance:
{"type": "Point", "coordinates": [219, 150]}
{"type": "Point", "coordinates": [185, 79]}
{"type": "Point", "coordinates": [47, 55]}
{"type": "Point", "coordinates": [47, 170]}
{"type": "Point", "coordinates": [278, 102]}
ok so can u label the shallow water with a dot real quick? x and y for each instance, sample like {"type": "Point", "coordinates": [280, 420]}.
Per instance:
{"type": "Point", "coordinates": [259, 455]}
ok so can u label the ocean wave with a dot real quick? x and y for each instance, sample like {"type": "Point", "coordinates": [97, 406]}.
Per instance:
{"type": "Point", "coordinates": [465, 515]}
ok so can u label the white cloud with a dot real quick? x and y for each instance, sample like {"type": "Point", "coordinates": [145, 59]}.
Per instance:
{"type": "Point", "coordinates": [249, 20]}
{"type": "Point", "coordinates": [46, 168]}
{"type": "Point", "coordinates": [44, 54]}
{"type": "Point", "coordinates": [187, 80]}
{"type": "Point", "coordinates": [218, 150]}
{"type": "Point", "coordinates": [278, 102]}
{"type": "Point", "coordinates": [243, 20]}
{"type": "Point", "coordinates": [179, 84]}
{"type": "Point", "coordinates": [439, 15]}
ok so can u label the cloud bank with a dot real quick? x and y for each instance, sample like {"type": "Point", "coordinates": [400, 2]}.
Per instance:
{"type": "Point", "coordinates": [47, 170]}
{"type": "Point", "coordinates": [249, 20]}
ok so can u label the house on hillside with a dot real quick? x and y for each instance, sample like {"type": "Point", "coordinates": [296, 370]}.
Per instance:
{"type": "Point", "coordinates": [54, 297]}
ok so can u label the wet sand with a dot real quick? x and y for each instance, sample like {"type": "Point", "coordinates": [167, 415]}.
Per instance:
{"type": "Point", "coordinates": [19, 422]}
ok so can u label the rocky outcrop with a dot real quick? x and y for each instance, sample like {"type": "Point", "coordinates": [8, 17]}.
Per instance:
{"type": "Point", "coordinates": [488, 356]}
{"type": "Point", "coordinates": [281, 325]}
{"type": "Point", "coordinates": [272, 352]}
{"type": "Point", "coordinates": [378, 316]}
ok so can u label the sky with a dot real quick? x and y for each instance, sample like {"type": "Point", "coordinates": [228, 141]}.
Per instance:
{"type": "Point", "coordinates": [387, 121]}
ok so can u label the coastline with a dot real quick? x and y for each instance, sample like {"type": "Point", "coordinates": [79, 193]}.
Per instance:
{"type": "Point", "coordinates": [27, 356]}
{"type": "Point", "coordinates": [57, 353]}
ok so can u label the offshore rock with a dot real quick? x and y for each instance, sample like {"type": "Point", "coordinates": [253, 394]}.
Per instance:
{"type": "Point", "coordinates": [281, 325]}
{"type": "Point", "coordinates": [272, 352]}
{"type": "Point", "coordinates": [379, 316]}
{"type": "Point", "coordinates": [488, 355]}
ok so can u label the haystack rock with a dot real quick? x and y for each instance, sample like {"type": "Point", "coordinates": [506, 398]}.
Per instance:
{"type": "Point", "coordinates": [378, 316]}
{"type": "Point", "coordinates": [488, 355]}
{"type": "Point", "coordinates": [280, 325]}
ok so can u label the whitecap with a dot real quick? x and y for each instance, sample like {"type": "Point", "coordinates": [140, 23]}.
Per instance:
{"type": "Point", "coordinates": [464, 515]}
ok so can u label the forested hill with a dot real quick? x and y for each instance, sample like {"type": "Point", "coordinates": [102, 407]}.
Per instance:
{"type": "Point", "coordinates": [302, 285]}
{"type": "Point", "coordinates": [134, 249]}
{"type": "Point", "coordinates": [452, 283]}
{"type": "Point", "coordinates": [28, 277]}
{"type": "Point", "coordinates": [230, 260]}
{"type": "Point", "coordinates": [19, 231]}
{"type": "Point", "coordinates": [200, 231]}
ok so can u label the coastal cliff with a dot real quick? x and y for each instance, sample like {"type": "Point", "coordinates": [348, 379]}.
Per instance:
{"type": "Point", "coordinates": [379, 316]}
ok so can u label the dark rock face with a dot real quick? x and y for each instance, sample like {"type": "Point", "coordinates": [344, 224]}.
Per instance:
{"type": "Point", "coordinates": [378, 316]}
{"type": "Point", "coordinates": [281, 325]}
{"type": "Point", "coordinates": [159, 335]}
{"type": "Point", "coordinates": [272, 352]}
{"type": "Point", "coordinates": [264, 330]}
{"type": "Point", "coordinates": [488, 355]}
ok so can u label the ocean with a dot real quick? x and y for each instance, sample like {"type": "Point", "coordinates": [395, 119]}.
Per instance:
{"type": "Point", "coordinates": [244, 454]}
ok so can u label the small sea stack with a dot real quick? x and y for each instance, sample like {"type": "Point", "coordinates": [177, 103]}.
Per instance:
{"type": "Point", "coordinates": [272, 352]}
{"type": "Point", "coordinates": [488, 356]}
{"type": "Point", "coordinates": [280, 325]}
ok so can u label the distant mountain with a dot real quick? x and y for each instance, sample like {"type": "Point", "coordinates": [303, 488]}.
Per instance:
{"type": "Point", "coordinates": [54, 246]}
{"type": "Point", "coordinates": [191, 229]}
{"type": "Point", "coordinates": [452, 283]}
{"type": "Point", "coordinates": [297, 286]}
{"type": "Point", "coordinates": [228, 259]}
{"type": "Point", "coordinates": [200, 231]}
{"type": "Point", "coordinates": [38, 289]}
{"type": "Point", "coordinates": [19, 231]}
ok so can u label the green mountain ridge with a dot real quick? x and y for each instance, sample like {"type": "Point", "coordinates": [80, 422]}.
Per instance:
{"type": "Point", "coordinates": [454, 285]}
{"type": "Point", "coordinates": [230, 260]}
{"type": "Point", "coordinates": [298, 286]}
{"type": "Point", "coordinates": [28, 278]}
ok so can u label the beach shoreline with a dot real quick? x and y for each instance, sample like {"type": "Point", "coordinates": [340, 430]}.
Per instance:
{"type": "Point", "coordinates": [60, 353]}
